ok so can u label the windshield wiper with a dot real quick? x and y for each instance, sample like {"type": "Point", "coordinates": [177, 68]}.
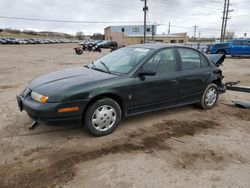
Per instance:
{"type": "Point", "coordinates": [93, 65]}
{"type": "Point", "coordinates": [95, 68]}
{"type": "Point", "coordinates": [105, 67]}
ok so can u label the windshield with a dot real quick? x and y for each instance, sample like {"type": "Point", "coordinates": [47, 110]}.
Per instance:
{"type": "Point", "coordinates": [121, 61]}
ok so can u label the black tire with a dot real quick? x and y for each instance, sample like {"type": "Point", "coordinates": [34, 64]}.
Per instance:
{"type": "Point", "coordinates": [204, 103]}
{"type": "Point", "coordinates": [79, 52]}
{"type": "Point", "coordinates": [221, 52]}
{"type": "Point", "coordinates": [90, 114]}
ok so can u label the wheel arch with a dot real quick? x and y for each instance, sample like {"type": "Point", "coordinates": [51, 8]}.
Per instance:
{"type": "Point", "coordinates": [221, 50]}
{"type": "Point", "coordinates": [112, 96]}
{"type": "Point", "coordinates": [217, 78]}
{"type": "Point", "coordinates": [217, 81]}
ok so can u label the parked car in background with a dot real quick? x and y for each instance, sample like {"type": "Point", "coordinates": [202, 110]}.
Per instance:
{"type": "Point", "coordinates": [236, 47]}
{"type": "Point", "coordinates": [3, 41]}
{"type": "Point", "coordinates": [91, 45]}
{"type": "Point", "coordinates": [108, 44]}
{"type": "Point", "coordinates": [129, 81]}
{"type": "Point", "coordinates": [33, 41]}
{"type": "Point", "coordinates": [21, 41]}
{"type": "Point", "coordinates": [11, 40]}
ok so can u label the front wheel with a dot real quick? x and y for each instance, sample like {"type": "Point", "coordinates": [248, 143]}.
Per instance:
{"type": "Point", "coordinates": [102, 117]}
{"type": "Point", "coordinates": [210, 97]}
{"type": "Point", "coordinates": [221, 52]}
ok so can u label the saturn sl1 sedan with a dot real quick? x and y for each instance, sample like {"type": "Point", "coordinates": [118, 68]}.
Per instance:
{"type": "Point", "coordinates": [132, 80]}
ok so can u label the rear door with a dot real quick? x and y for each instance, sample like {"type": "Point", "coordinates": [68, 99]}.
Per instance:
{"type": "Point", "coordinates": [195, 74]}
{"type": "Point", "coordinates": [162, 89]}
{"type": "Point", "coordinates": [240, 47]}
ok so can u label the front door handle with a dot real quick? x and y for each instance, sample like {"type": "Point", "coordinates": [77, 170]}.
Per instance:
{"type": "Point", "coordinates": [173, 81]}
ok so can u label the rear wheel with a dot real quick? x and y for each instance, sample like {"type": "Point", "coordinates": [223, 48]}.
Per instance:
{"type": "Point", "coordinates": [210, 97]}
{"type": "Point", "coordinates": [102, 117]}
{"type": "Point", "coordinates": [79, 52]}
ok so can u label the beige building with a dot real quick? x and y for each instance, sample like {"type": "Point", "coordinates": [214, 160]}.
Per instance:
{"type": "Point", "coordinates": [129, 35]}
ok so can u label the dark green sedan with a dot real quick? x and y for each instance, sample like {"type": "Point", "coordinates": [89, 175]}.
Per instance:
{"type": "Point", "coordinates": [129, 81]}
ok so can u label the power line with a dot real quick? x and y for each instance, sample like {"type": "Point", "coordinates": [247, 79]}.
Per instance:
{"type": "Point", "coordinates": [242, 2]}
{"type": "Point", "coordinates": [114, 5]}
{"type": "Point", "coordinates": [179, 26]}
{"type": "Point", "coordinates": [200, 28]}
{"type": "Point", "coordinates": [199, 5]}
{"type": "Point", "coordinates": [65, 21]}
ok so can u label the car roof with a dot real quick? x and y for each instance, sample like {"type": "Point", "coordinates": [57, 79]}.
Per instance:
{"type": "Point", "coordinates": [156, 46]}
{"type": "Point", "coordinates": [240, 39]}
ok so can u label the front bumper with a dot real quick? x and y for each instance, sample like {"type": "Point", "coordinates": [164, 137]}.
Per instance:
{"type": "Point", "coordinates": [49, 111]}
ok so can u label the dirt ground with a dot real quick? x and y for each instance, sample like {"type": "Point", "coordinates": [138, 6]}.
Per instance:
{"type": "Point", "coordinates": [180, 147]}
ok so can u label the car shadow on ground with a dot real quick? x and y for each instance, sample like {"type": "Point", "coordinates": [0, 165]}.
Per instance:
{"type": "Point", "coordinates": [72, 128]}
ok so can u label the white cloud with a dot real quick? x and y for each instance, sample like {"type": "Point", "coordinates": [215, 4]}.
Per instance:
{"type": "Point", "coordinates": [185, 13]}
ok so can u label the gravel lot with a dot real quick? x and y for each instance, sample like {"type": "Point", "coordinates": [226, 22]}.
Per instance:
{"type": "Point", "coordinates": [180, 147]}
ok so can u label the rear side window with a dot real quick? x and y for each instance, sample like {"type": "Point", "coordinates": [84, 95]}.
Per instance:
{"type": "Point", "coordinates": [221, 45]}
{"type": "Point", "coordinates": [191, 59]}
{"type": "Point", "coordinates": [204, 62]}
{"type": "Point", "coordinates": [240, 42]}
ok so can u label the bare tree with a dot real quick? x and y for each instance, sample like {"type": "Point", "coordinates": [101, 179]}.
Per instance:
{"type": "Point", "coordinates": [97, 36]}
{"type": "Point", "coordinates": [80, 35]}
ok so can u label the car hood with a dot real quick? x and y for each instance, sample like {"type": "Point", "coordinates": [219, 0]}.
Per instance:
{"type": "Point", "coordinates": [60, 83]}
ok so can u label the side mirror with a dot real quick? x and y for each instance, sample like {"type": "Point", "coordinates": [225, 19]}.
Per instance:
{"type": "Point", "coordinates": [147, 72]}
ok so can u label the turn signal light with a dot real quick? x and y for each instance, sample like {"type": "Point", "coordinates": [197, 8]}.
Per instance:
{"type": "Point", "coordinates": [43, 99]}
{"type": "Point", "coordinates": [69, 109]}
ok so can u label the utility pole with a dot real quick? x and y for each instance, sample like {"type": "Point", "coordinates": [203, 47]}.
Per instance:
{"type": "Point", "coordinates": [223, 21]}
{"type": "Point", "coordinates": [153, 32]}
{"type": "Point", "coordinates": [169, 28]}
{"type": "Point", "coordinates": [145, 9]}
{"type": "Point", "coordinates": [199, 39]}
{"type": "Point", "coordinates": [226, 19]}
{"type": "Point", "coordinates": [195, 28]}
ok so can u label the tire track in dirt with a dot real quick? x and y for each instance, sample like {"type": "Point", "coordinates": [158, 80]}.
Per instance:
{"type": "Point", "coordinates": [61, 170]}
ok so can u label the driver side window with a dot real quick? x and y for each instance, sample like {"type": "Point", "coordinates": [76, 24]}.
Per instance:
{"type": "Point", "coordinates": [163, 62]}
{"type": "Point", "coordinates": [153, 62]}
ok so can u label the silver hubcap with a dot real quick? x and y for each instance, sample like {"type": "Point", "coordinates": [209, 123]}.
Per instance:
{"type": "Point", "coordinates": [211, 97]}
{"type": "Point", "coordinates": [104, 118]}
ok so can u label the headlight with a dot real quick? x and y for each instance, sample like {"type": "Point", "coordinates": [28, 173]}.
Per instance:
{"type": "Point", "coordinates": [39, 98]}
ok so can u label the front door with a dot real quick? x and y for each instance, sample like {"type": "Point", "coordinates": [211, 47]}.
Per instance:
{"type": "Point", "coordinates": [160, 90]}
